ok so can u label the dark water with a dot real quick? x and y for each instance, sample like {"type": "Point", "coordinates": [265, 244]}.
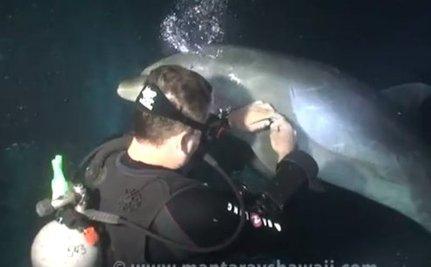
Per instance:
{"type": "Point", "coordinates": [61, 61]}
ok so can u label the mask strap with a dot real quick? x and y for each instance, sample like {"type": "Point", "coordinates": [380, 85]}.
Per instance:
{"type": "Point", "coordinates": [152, 100]}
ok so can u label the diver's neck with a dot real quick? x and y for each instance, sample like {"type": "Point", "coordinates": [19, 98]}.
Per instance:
{"type": "Point", "coordinates": [158, 155]}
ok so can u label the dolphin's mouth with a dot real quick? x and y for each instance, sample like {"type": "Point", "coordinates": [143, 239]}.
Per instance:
{"type": "Point", "coordinates": [129, 89]}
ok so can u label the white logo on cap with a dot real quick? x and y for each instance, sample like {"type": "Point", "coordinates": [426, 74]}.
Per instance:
{"type": "Point", "coordinates": [147, 99]}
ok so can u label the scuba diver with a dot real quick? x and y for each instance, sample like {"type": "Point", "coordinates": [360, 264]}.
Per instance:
{"type": "Point", "coordinates": [164, 193]}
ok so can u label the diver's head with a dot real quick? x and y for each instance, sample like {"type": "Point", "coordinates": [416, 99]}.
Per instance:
{"type": "Point", "coordinates": [162, 141]}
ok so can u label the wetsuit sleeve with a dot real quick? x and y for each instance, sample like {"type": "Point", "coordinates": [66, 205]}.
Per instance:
{"type": "Point", "coordinates": [294, 171]}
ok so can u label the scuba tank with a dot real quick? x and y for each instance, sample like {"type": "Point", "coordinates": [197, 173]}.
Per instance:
{"type": "Point", "coordinates": [66, 241]}
{"type": "Point", "coordinates": [72, 241]}
{"type": "Point", "coordinates": [57, 245]}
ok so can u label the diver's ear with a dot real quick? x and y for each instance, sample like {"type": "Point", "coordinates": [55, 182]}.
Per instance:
{"type": "Point", "coordinates": [189, 142]}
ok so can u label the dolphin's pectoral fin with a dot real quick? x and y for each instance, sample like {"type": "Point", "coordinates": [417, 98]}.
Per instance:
{"type": "Point", "coordinates": [407, 98]}
{"type": "Point", "coordinates": [412, 103]}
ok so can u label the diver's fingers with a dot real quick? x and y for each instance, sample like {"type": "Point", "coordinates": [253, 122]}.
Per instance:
{"type": "Point", "coordinates": [275, 124]}
{"type": "Point", "coordinates": [268, 106]}
{"type": "Point", "coordinates": [277, 118]}
{"type": "Point", "coordinates": [260, 125]}
{"type": "Point", "coordinates": [279, 122]}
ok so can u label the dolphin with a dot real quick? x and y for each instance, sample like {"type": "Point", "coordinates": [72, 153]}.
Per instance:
{"type": "Point", "coordinates": [344, 124]}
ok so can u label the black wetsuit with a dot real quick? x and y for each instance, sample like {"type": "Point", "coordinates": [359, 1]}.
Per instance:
{"type": "Point", "coordinates": [199, 210]}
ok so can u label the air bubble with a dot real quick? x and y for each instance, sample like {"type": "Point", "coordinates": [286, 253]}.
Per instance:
{"type": "Point", "coordinates": [194, 24]}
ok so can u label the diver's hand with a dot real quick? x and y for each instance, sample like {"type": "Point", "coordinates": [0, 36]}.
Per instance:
{"type": "Point", "coordinates": [282, 135]}
{"type": "Point", "coordinates": [251, 118]}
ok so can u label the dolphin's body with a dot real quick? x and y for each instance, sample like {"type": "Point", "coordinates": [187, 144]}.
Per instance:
{"type": "Point", "coordinates": [342, 123]}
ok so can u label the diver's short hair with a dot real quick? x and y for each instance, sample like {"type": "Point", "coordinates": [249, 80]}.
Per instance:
{"type": "Point", "coordinates": [187, 90]}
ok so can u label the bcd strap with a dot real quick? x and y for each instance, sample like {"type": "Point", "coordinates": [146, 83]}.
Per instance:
{"type": "Point", "coordinates": [90, 167]}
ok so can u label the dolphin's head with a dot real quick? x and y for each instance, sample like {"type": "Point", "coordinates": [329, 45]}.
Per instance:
{"type": "Point", "coordinates": [129, 88]}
